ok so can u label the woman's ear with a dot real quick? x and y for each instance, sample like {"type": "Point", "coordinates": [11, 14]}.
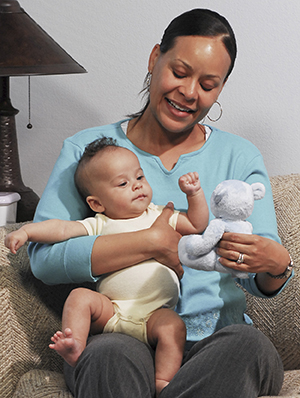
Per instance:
{"type": "Point", "coordinates": [95, 204]}
{"type": "Point", "coordinates": [153, 57]}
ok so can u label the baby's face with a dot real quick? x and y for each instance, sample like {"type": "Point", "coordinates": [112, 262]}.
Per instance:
{"type": "Point", "coordinates": [119, 183]}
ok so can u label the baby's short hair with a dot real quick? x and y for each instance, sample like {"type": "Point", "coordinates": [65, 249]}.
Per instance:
{"type": "Point", "coordinates": [100, 144]}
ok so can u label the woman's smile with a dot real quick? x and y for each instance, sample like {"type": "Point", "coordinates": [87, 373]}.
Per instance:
{"type": "Point", "coordinates": [179, 108]}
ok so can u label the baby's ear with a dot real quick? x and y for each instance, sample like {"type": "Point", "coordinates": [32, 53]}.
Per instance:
{"type": "Point", "coordinates": [95, 204]}
{"type": "Point", "coordinates": [259, 190]}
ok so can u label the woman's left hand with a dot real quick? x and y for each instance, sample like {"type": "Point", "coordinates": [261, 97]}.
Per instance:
{"type": "Point", "coordinates": [260, 255]}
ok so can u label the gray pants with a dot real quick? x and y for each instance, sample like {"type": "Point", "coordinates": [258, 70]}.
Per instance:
{"type": "Point", "coordinates": [236, 362]}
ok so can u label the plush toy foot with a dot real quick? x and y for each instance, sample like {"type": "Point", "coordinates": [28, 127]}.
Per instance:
{"type": "Point", "coordinates": [205, 262]}
{"type": "Point", "coordinates": [194, 246]}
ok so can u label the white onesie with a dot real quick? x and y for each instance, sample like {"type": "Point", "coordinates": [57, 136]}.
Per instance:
{"type": "Point", "coordinates": [138, 290]}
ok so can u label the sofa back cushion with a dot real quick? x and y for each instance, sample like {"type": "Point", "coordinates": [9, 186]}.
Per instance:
{"type": "Point", "coordinates": [279, 317]}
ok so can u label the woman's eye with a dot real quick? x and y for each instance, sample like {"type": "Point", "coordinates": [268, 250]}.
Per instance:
{"type": "Point", "coordinates": [178, 76]}
{"type": "Point", "coordinates": [206, 88]}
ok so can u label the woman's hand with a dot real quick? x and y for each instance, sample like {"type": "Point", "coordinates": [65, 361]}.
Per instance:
{"type": "Point", "coordinates": [117, 251]}
{"type": "Point", "coordinates": [260, 255]}
{"type": "Point", "coordinates": [164, 241]}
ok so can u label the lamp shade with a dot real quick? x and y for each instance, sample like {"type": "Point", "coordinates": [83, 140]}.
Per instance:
{"type": "Point", "coordinates": [26, 49]}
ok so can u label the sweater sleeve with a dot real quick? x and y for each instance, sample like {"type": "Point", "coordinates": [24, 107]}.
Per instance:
{"type": "Point", "coordinates": [69, 261]}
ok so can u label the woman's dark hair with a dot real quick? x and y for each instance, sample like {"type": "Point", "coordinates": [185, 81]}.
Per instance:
{"type": "Point", "coordinates": [196, 22]}
{"type": "Point", "coordinates": [201, 22]}
{"type": "Point", "coordinates": [100, 144]}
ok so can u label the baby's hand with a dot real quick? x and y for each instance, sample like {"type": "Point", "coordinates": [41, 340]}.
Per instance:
{"type": "Point", "coordinates": [15, 240]}
{"type": "Point", "coordinates": [189, 183]}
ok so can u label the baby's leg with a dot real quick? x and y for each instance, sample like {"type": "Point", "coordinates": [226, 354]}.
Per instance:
{"type": "Point", "coordinates": [167, 332]}
{"type": "Point", "coordinates": [85, 310]}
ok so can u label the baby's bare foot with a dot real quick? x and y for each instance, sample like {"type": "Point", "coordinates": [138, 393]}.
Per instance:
{"type": "Point", "coordinates": [66, 346]}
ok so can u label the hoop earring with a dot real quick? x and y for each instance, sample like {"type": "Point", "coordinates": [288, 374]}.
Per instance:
{"type": "Point", "coordinates": [148, 80]}
{"type": "Point", "coordinates": [221, 113]}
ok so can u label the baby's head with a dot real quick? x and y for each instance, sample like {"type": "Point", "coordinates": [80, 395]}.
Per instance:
{"type": "Point", "coordinates": [110, 179]}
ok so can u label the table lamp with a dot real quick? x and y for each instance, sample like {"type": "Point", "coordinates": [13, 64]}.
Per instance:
{"type": "Point", "coordinates": [25, 50]}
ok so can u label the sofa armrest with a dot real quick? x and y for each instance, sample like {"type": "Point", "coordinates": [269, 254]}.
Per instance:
{"type": "Point", "coordinates": [30, 312]}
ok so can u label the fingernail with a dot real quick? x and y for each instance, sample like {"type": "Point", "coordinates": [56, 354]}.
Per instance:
{"type": "Point", "coordinates": [170, 204]}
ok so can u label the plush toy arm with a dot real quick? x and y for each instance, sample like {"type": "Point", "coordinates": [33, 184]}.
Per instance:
{"type": "Point", "coordinates": [214, 232]}
{"type": "Point", "coordinates": [198, 245]}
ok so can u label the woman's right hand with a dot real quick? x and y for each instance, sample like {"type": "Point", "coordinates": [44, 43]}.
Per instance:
{"type": "Point", "coordinates": [117, 251]}
{"type": "Point", "coordinates": [164, 240]}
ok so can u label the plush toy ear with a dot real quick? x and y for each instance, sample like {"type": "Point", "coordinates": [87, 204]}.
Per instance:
{"type": "Point", "coordinates": [218, 198]}
{"type": "Point", "coordinates": [259, 190]}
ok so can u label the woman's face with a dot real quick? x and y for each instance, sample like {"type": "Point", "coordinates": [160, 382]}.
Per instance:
{"type": "Point", "coordinates": [186, 81]}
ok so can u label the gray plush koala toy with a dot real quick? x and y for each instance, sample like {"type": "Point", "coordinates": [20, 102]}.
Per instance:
{"type": "Point", "coordinates": [231, 203]}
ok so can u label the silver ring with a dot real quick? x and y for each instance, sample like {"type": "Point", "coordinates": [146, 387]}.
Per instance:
{"type": "Point", "coordinates": [240, 260]}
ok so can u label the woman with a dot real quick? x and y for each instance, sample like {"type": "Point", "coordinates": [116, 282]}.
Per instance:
{"type": "Point", "coordinates": [225, 357]}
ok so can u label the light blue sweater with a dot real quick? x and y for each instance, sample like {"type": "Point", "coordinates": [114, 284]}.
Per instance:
{"type": "Point", "coordinates": [209, 300]}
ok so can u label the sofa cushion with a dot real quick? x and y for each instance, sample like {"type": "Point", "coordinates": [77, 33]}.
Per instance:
{"type": "Point", "coordinates": [291, 385]}
{"type": "Point", "coordinates": [42, 384]}
{"type": "Point", "coordinates": [30, 313]}
{"type": "Point", "coordinates": [27, 321]}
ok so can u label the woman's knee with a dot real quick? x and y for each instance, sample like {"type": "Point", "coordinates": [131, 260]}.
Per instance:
{"type": "Point", "coordinates": [113, 360]}
{"type": "Point", "coordinates": [240, 354]}
{"type": "Point", "coordinates": [240, 342]}
{"type": "Point", "coordinates": [254, 350]}
{"type": "Point", "coordinates": [252, 338]}
{"type": "Point", "coordinates": [115, 349]}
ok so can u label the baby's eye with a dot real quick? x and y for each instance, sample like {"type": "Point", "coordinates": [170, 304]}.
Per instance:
{"type": "Point", "coordinates": [140, 177]}
{"type": "Point", "coordinates": [123, 184]}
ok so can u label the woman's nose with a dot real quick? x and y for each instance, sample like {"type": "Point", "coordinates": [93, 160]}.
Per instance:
{"type": "Point", "coordinates": [189, 89]}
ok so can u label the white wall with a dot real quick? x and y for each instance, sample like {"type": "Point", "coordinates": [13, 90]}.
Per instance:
{"type": "Point", "coordinates": [112, 40]}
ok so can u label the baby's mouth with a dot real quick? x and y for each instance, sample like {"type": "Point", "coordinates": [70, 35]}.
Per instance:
{"type": "Point", "coordinates": [179, 108]}
{"type": "Point", "coordinates": [141, 196]}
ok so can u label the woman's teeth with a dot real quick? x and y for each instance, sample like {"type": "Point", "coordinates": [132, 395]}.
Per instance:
{"type": "Point", "coordinates": [178, 107]}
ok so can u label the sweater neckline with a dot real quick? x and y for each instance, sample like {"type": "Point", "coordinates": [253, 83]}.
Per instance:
{"type": "Point", "coordinates": [123, 125]}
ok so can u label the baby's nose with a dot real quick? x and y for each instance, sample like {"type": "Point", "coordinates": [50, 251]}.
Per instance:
{"type": "Point", "coordinates": [137, 185]}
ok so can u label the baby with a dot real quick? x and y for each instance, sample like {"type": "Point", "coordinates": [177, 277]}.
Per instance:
{"type": "Point", "coordinates": [137, 300]}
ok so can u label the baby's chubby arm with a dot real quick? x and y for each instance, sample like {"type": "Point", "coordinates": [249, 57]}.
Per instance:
{"type": "Point", "coordinates": [49, 231]}
{"type": "Point", "coordinates": [195, 220]}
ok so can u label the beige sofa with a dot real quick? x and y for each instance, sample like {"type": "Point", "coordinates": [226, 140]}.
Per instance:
{"type": "Point", "coordinates": [30, 313]}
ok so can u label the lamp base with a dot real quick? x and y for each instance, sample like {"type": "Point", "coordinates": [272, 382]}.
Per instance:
{"type": "Point", "coordinates": [27, 205]}
{"type": "Point", "coordinates": [10, 174]}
